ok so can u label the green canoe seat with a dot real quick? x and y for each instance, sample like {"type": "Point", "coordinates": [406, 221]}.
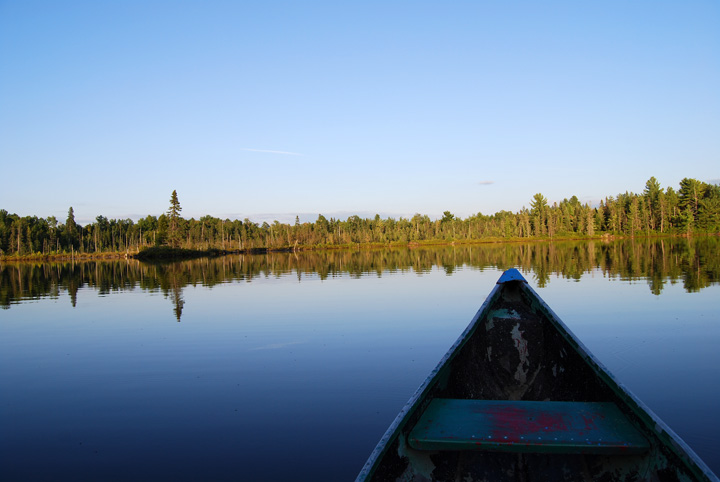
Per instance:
{"type": "Point", "coordinates": [526, 426]}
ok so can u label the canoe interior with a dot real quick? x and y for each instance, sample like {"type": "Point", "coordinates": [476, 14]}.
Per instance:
{"type": "Point", "coordinates": [517, 349]}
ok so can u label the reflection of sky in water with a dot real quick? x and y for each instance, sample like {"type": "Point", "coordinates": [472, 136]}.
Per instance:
{"type": "Point", "coordinates": [312, 369]}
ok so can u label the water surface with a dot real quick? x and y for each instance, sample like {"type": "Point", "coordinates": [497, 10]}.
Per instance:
{"type": "Point", "coordinates": [266, 367]}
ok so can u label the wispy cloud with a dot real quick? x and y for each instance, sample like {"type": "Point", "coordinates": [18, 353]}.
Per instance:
{"type": "Point", "coordinates": [268, 151]}
{"type": "Point", "coordinates": [486, 183]}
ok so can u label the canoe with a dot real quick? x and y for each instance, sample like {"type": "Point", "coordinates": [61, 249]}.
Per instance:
{"type": "Point", "coordinates": [519, 398]}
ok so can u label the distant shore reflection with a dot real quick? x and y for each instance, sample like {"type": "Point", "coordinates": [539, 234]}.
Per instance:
{"type": "Point", "coordinates": [694, 262]}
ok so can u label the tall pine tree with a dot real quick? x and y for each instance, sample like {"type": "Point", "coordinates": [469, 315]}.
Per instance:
{"type": "Point", "coordinates": [174, 236]}
{"type": "Point", "coordinates": [71, 229]}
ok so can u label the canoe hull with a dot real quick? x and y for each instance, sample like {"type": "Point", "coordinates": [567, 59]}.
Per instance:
{"type": "Point", "coordinates": [516, 348]}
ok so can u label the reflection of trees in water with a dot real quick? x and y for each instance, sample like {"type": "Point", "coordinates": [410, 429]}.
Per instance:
{"type": "Point", "coordinates": [173, 279]}
{"type": "Point", "coordinates": [694, 262]}
{"type": "Point", "coordinates": [177, 301]}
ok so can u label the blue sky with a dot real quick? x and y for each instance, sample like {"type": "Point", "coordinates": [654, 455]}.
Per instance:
{"type": "Point", "coordinates": [269, 110]}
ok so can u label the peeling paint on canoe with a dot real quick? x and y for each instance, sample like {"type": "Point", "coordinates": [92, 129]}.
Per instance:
{"type": "Point", "coordinates": [522, 346]}
{"type": "Point", "coordinates": [420, 463]}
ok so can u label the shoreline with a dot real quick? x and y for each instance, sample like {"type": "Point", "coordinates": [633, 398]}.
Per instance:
{"type": "Point", "coordinates": [167, 254]}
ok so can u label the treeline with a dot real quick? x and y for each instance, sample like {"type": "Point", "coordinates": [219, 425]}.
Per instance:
{"type": "Point", "coordinates": [694, 207]}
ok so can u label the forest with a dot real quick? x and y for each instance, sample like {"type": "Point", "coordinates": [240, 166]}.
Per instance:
{"type": "Point", "coordinates": [693, 208]}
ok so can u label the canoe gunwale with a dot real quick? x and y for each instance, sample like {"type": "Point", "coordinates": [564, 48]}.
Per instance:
{"type": "Point", "coordinates": [647, 418]}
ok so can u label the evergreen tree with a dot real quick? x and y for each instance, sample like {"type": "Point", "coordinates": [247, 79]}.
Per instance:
{"type": "Point", "coordinates": [71, 228]}
{"type": "Point", "coordinates": [653, 194]}
{"type": "Point", "coordinates": [447, 217]}
{"type": "Point", "coordinates": [70, 225]}
{"type": "Point", "coordinates": [174, 236]}
{"type": "Point", "coordinates": [709, 215]}
{"type": "Point", "coordinates": [538, 213]}
{"type": "Point", "coordinates": [691, 192]}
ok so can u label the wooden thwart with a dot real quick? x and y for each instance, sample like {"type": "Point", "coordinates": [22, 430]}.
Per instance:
{"type": "Point", "coordinates": [526, 426]}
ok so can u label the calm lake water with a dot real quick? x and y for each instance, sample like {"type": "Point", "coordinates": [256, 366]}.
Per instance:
{"type": "Point", "coordinates": [291, 366]}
